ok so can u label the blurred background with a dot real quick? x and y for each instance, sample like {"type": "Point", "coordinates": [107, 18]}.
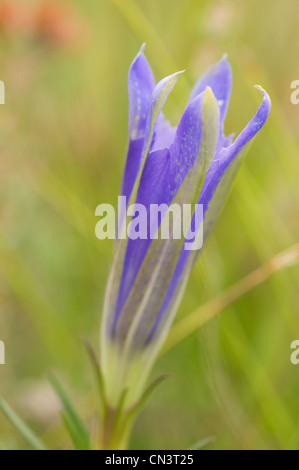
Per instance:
{"type": "Point", "coordinates": [63, 138]}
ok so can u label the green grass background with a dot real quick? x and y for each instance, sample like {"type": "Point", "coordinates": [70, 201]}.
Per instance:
{"type": "Point", "coordinates": [63, 137]}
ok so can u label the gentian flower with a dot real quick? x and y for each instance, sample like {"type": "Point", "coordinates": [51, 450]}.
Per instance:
{"type": "Point", "coordinates": [191, 163]}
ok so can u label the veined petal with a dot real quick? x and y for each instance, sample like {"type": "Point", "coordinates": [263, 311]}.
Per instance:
{"type": "Point", "coordinates": [151, 190]}
{"type": "Point", "coordinates": [213, 197]}
{"type": "Point", "coordinates": [219, 78]}
{"type": "Point", "coordinates": [156, 103]}
{"type": "Point", "coordinates": [139, 314]}
{"type": "Point", "coordinates": [194, 164]}
{"type": "Point", "coordinates": [252, 128]}
{"type": "Point", "coordinates": [141, 83]}
{"type": "Point", "coordinates": [157, 100]}
{"type": "Point", "coordinates": [164, 171]}
{"type": "Point", "coordinates": [223, 171]}
{"type": "Point", "coordinates": [133, 163]}
{"type": "Point", "coordinates": [164, 134]}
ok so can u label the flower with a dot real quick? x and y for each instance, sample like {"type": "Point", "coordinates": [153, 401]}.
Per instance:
{"type": "Point", "coordinates": [192, 163]}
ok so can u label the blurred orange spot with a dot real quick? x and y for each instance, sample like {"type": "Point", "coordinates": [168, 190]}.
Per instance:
{"type": "Point", "coordinates": [14, 18]}
{"type": "Point", "coordinates": [56, 23]}
{"type": "Point", "coordinates": [47, 20]}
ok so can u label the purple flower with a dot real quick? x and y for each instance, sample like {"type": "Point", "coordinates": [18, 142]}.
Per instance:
{"type": "Point", "coordinates": [189, 164]}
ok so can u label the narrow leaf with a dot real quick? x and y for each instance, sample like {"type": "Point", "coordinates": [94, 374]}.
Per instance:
{"type": "Point", "coordinates": [73, 432]}
{"type": "Point", "coordinates": [97, 370]}
{"type": "Point", "coordinates": [202, 444]}
{"type": "Point", "coordinates": [23, 429]}
{"type": "Point", "coordinates": [72, 414]}
{"type": "Point", "coordinates": [147, 394]}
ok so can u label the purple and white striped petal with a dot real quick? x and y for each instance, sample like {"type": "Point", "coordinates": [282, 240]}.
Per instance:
{"type": "Point", "coordinates": [213, 197]}
{"type": "Point", "coordinates": [141, 84]}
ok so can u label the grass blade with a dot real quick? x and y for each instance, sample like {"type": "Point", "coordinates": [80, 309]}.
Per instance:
{"type": "Point", "coordinates": [74, 423]}
{"type": "Point", "coordinates": [22, 427]}
{"type": "Point", "coordinates": [202, 444]}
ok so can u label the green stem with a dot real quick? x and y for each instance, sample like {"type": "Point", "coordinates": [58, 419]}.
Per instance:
{"type": "Point", "coordinates": [115, 432]}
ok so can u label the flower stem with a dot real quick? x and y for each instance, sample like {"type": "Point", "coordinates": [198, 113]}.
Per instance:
{"type": "Point", "coordinates": [115, 431]}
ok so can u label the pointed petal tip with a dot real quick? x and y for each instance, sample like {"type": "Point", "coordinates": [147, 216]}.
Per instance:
{"type": "Point", "coordinates": [224, 60]}
{"type": "Point", "coordinates": [209, 92]}
{"type": "Point", "coordinates": [204, 95]}
{"type": "Point", "coordinates": [266, 98]}
{"type": "Point", "coordinates": [141, 83]}
{"type": "Point", "coordinates": [139, 54]}
{"type": "Point", "coordinates": [250, 131]}
{"type": "Point", "coordinates": [261, 89]}
{"type": "Point", "coordinates": [170, 79]}
{"type": "Point", "coordinates": [174, 75]}
{"type": "Point", "coordinates": [209, 97]}
{"type": "Point", "coordinates": [180, 72]}
{"type": "Point", "coordinates": [219, 78]}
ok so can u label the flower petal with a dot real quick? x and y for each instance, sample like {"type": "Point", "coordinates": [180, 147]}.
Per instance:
{"type": "Point", "coordinates": [164, 171]}
{"type": "Point", "coordinates": [219, 78]}
{"type": "Point", "coordinates": [141, 84]}
{"type": "Point", "coordinates": [138, 150]}
{"type": "Point", "coordinates": [223, 171]}
{"type": "Point", "coordinates": [158, 98]}
{"type": "Point", "coordinates": [164, 134]}
{"type": "Point", "coordinates": [139, 313]}
{"type": "Point", "coordinates": [213, 197]}
{"type": "Point", "coordinates": [133, 163]}
{"type": "Point", "coordinates": [153, 181]}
